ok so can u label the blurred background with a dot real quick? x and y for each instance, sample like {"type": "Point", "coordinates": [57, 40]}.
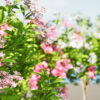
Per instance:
{"type": "Point", "coordinates": [89, 8]}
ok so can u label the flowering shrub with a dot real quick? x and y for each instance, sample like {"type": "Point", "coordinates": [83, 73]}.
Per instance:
{"type": "Point", "coordinates": [36, 56]}
{"type": "Point", "coordinates": [29, 55]}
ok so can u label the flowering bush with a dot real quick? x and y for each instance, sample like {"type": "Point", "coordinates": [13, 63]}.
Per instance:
{"type": "Point", "coordinates": [30, 58]}
{"type": "Point", "coordinates": [36, 56]}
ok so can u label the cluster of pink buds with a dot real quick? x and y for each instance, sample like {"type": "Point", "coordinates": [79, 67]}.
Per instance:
{"type": "Point", "coordinates": [38, 21]}
{"type": "Point", "coordinates": [8, 2]}
{"type": "Point", "coordinates": [91, 72]}
{"type": "Point", "coordinates": [52, 33]}
{"type": "Point", "coordinates": [48, 48]}
{"type": "Point", "coordinates": [64, 92]}
{"type": "Point", "coordinates": [1, 58]}
{"type": "Point", "coordinates": [7, 79]}
{"type": "Point", "coordinates": [2, 40]}
{"type": "Point", "coordinates": [78, 36]}
{"type": "Point", "coordinates": [67, 24]}
{"type": "Point", "coordinates": [61, 67]}
{"type": "Point", "coordinates": [33, 82]}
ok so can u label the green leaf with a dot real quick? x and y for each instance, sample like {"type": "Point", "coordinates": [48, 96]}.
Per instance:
{"type": "Point", "coordinates": [1, 15]}
{"type": "Point", "coordinates": [22, 9]}
{"type": "Point", "coordinates": [8, 60]}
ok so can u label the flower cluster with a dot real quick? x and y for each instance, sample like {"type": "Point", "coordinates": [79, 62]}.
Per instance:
{"type": "Point", "coordinates": [48, 48]}
{"type": "Point", "coordinates": [52, 33]}
{"type": "Point", "coordinates": [75, 40]}
{"type": "Point", "coordinates": [2, 40]}
{"type": "Point", "coordinates": [33, 82]}
{"type": "Point", "coordinates": [61, 67]}
{"type": "Point", "coordinates": [8, 2]}
{"type": "Point", "coordinates": [92, 58]}
{"type": "Point", "coordinates": [7, 79]}
{"type": "Point", "coordinates": [63, 94]}
{"type": "Point", "coordinates": [91, 72]}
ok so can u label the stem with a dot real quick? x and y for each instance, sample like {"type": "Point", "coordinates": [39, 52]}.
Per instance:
{"type": "Point", "coordinates": [84, 88]}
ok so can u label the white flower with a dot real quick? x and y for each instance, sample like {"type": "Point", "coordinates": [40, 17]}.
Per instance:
{"type": "Point", "coordinates": [75, 43]}
{"type": "Point", "coordinates": [71, 36]}
{"type": "Point", "coordinates": [62, 44]}
{"type": "Point", "coordinates": [88, 46]}
{"type": "Point", "coordinates": [92, 58]}
{"type": "Point", "coordinates": [78, 63]}
{"type": "Point", "coordinates": [97, 35]}
{"type": "Point", "coordinates": [80, 68]}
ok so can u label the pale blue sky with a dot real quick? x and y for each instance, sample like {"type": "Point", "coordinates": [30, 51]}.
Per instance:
{"type": "Point", "coordinates": [87, 7]}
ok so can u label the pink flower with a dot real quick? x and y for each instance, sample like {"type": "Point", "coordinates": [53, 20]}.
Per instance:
{"type": "Point", "coordinates": [37, 68]}
{"type": "Point", "coordinates": [45, 64]}
{"type": "Point", "coordinates": [48, 71]}
{"type": "Point", "coordinates": [61, 67]}
{"type": "Point", "coordinates": [2, 32]}
{"type": "Point", "coordinates": [77, 35]}
{"type": "Point", "coordinates": [0, 64]}
{"type": "Point", "coordinates": [6, 27]}
{"type": "Point", "coordinates": [2, 54]}
{"type": "Point", "coordinates": [91, 72]}
{"type": "Point", "coordinates": [69, 66]}
{"type": "Point", "coordinates": [8, 80]}
{"type": "Point", "coordinates": [64, 91]}
{"type": "Point", "coordinates": [66, 24]}
{"type": "Point", "coordinates": [46, 48]}
{"type": "Point", "coordinates": [42, 22]}
{"type": "Point", "coordinates": [57, 48]}
{"type": "Point", "coordinates": [55, 72]}
{"type": "Point", "coordinates": [52, 33]}
{"type": "Point", "coordinates": [39, 22]}
{"type": "Point", "coordinates": [1, 46]}
{"type": "Point", "coordinates": [33, 83]}
{"type": "Point", "coordinates": [62, 74]}
{"type": "Point", "coordinates": [34, 87]}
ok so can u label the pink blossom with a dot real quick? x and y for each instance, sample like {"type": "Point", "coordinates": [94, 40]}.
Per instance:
{"type": "Point", "coordinates": [77, 35]}
{"type": "Point", "coordinates": [33, 83]}
{"type": "Point", "coordinates": [69, 66]}
{"type": "Point", "coordinates": [36, 77]}
{"type": "Point", "coordinates": [46, 48]}
{"type": "Point", "coordinates": [66, 24]}
{"type": "Point", "coordinates": [52, 33]}
{"type": "Point", "coordinates": [2, 32]}
{"type": "Point", "coordinates": [62, 74]}
{"type": "Point", "coordinates": [91, 72]}
{"type": "Point", "coordinates": [61, 67]}
{"type": "Point", "coordinates": [57, 48]}
{"type": "Point", "coordinates": [55, 72]}
{"type": "Point", "coordinates": [42, 22]}
{"type": "Point", "coordinates": [2, 54]}
{"type": "Point", "coordinates": [0, 64]}
{"type": "Point", "coordinates": [37, 68]}
{"type": "Point", "coordinates": [6, 27]}
{"type": "Point", "coordinates": [8, 79]}
{"type": "Point", "coordinates": [1, 45]}
{"type": "Point", "coordinates": [48, 71]}
{"type": "Point", "coordinates": [45, 64]}
{"type": "Point", "coordinates": [64, 91]}
{"type": "Point", "coordinates": [39, 22]}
